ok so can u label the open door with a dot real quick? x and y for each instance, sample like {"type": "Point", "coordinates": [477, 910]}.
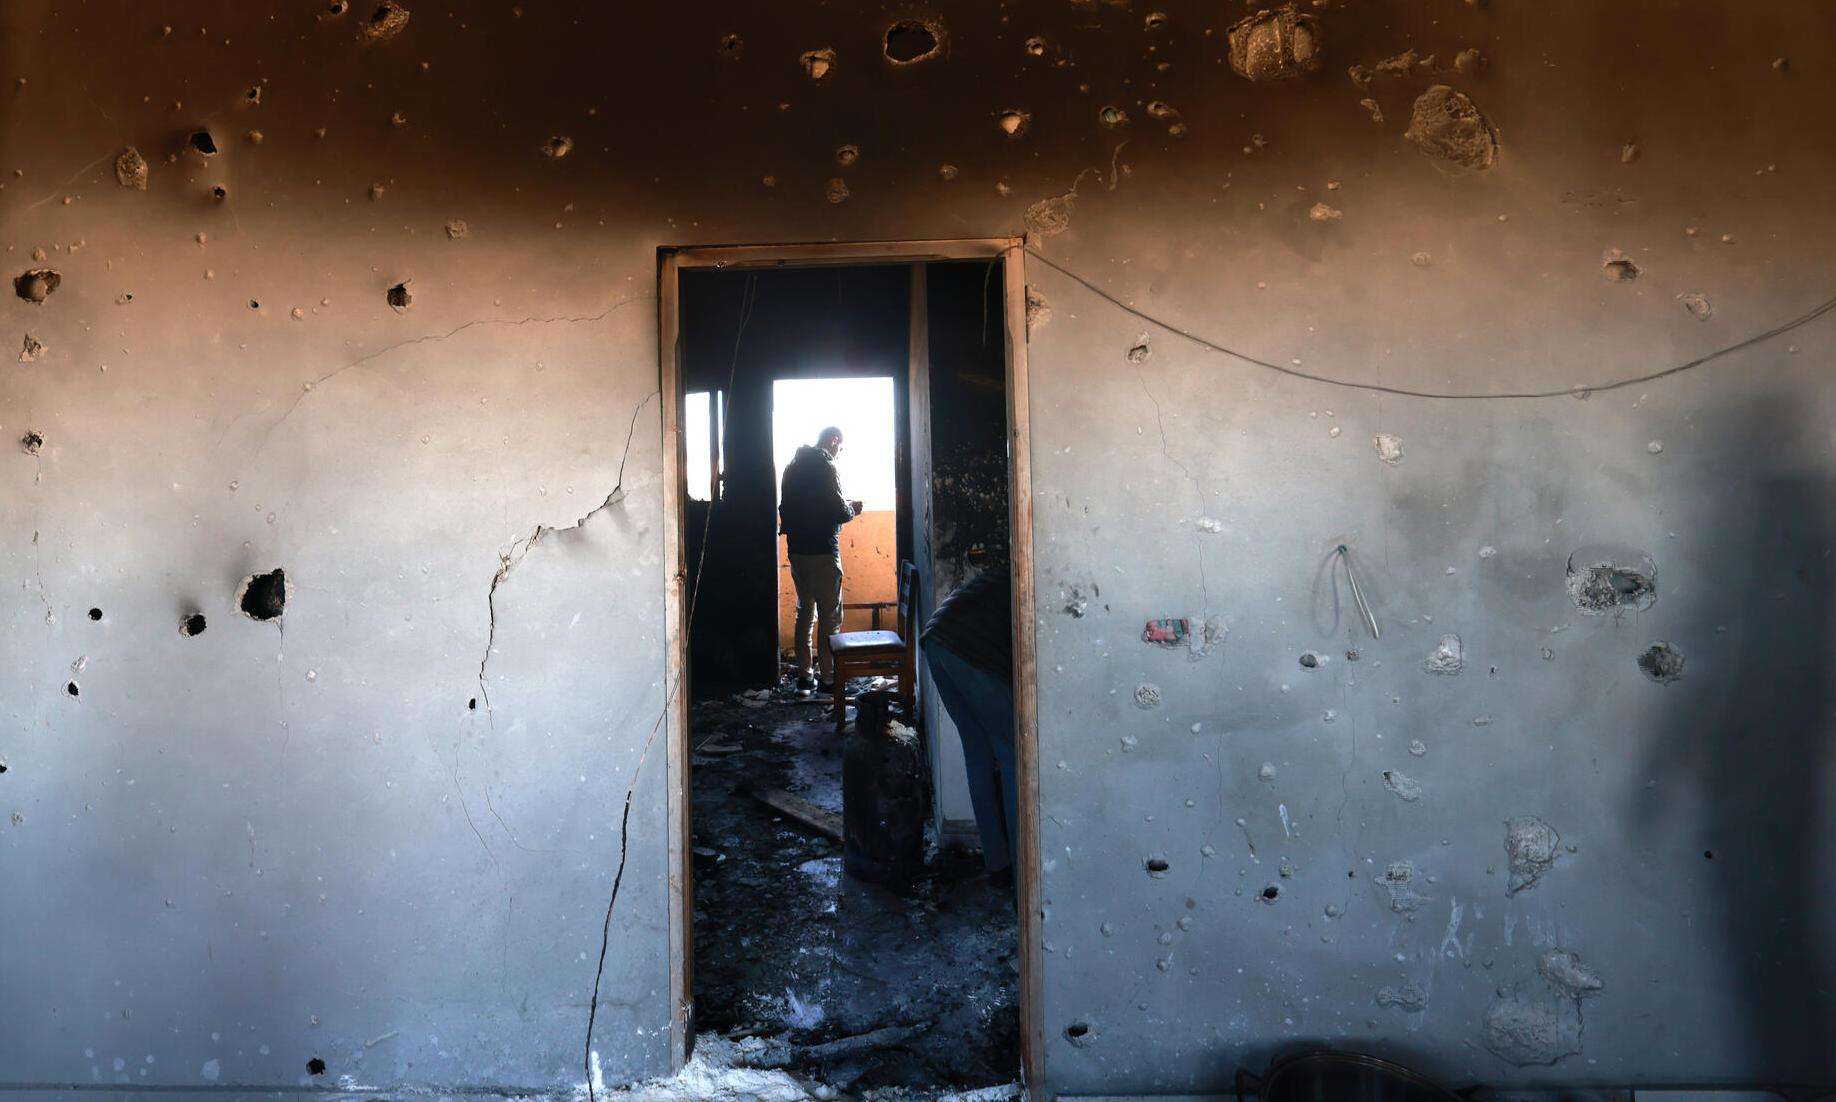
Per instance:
{"type": "Point", "coordinates": [984, 372]}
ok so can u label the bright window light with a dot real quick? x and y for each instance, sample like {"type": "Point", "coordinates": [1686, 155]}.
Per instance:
{"type": "Point", "coordinates": [703, 432]}
{"type": "Point", "coordinates": [862, 409]}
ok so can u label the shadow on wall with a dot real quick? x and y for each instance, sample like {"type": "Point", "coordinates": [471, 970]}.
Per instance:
{"type": "Point", "coordinates": [1758, 762]}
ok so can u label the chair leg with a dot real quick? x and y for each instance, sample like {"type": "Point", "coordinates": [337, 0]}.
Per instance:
{"type": "Point", "coordinates": [841, 700]}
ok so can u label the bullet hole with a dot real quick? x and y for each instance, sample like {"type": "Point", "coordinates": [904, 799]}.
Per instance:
{"type": "Point", "coordinates": [72, 688]}
{"type": "Point", "coordinates": [1469, 61]}
{"type": "Point", "coordinates": [1661, 662]}
{"type": "Point", "coordinates": [1708, 854]}
{"type": "Point", "coordinates": [1448, 656]}
{"type": "Point", "coordinates": [399, 298]}
{"type": "Point", "coordinates": [315, 1066]}
{"type": "Point", "coordinates": [1275, 45]}
{"type": "Point", "coordinates": [204, 143]}
{"type": "Point", "coordinates": [32, 442]}
{"type": "Point", "coordinates": [1155, 20]}
{"type": "Point", "coordinates": [1617, 267]}
{"type": "Point", "coordinates": [254, 304]}
{"type": "Point", "coordinates": [1050, 216]}
{"type": "Point", "coordinates": [1013, 122]}
{"type": "Point", "coordinates": [398, 118]}
{"type": "Point", "coordinates": [219, 193]}
{"type": "Point", "coordinates": [2, 766]}
{"type": "Point", "coordinates": [457, 229]}
{"type": "Point", "coordinates": [1078, 1033]}
{"type": "Point", "coordinates": [1310, 660]}
{"type": "Point", "coordinates": [264, 596]}
{"type": "Point", "coordinates": [1320, 212]}
{"type": "Point", "coordinates": [847, 155]}
{"type": "Point", "coordinates": [471, 705]}
{"type": "Point", "coordinates": [37, 284]}
{"type": "Point", "coordinates": [1156, 866]}
{"type": "Point", "coordinates": [1447, 127]}
{"type": "Point", "coordinates": [1113, 116]}
{"type": "Point", "coordinates": [817, 64]}
{"type": "Point", "coordinates": [558, 147]}
{"type": "Point", "coordinates": [31, 349]}
{"type": "Point", "coordinates": [1409, 998]}
{"type": "Point", "coordinates": [1568, 973]}
{"type": "Point", "coordinates": [376, 192]}
{"type": "Point", "coordinates": [1147, 696]}
{"type": "Point", "coordinates": [1038, 311]}
{"type": "Point", "coordinates": [336, 8]}
{"type": "Point", "coordinates": [1161, 109]}
{"type": "Point", "coordinates": [837, 190]}
{"type": "Point", "coordinates": [1698, 305]}
{"type": "Point", "coordinates": [1271, 893]}
{"type": "Point", "coordinates": [1389, 447]}
{"type": "Point", "coordinates": [193, 624]}
{"type": "Point", "coordinates": [131, 169]}
{"type": "Point", "coordinates": [1605, 586]}
{"type": "Point", "coordinates": [910, 41]}
{"type": "Point", "coordinates": [1403, 786]}
{"type": "Point", "coordinates": [255, 137]}
{"type": "Point", "coordinates": [124, 298]}
{"type": "Point", "coordinates": [95, 614]}
{"type": "Point", "coordinates": [1531, 846]}
{"type": "Point", "coordinates": [253, 95]}
{"type": "Point", "coordinates": [1139, 353]}
{"type": "Point", "coordinates": [1628, 153]}
{"type": "Point", "coordinates": [732, 46]}
{"type": "Point", "coordinates": [1036, 46]}
{"type": "Point", "coordinates": [386, 21]}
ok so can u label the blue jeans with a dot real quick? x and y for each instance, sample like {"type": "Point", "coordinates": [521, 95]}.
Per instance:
{"type": "Point", "coordinates": [982, 707]}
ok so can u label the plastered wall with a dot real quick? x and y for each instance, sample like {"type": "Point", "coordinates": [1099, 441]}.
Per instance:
{"type": "Point", "coordinates": [235, 852]}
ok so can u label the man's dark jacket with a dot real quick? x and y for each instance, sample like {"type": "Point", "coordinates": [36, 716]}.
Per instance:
{"type": "Point", "coordinates": [811, 509]}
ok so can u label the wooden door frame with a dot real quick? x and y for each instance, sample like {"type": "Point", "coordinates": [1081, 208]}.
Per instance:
{"type": "Point", "coordinates": [1011, 251]}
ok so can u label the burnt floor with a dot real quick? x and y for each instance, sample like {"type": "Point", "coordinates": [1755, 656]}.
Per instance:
{"type": "Point", "coordinates": [788, 947]}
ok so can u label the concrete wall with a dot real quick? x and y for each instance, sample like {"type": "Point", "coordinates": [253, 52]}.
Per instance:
{"type": "Point", "coordinates": [237, 851]}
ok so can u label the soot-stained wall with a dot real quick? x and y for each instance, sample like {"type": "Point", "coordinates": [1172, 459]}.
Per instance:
{"type": "Point", "coordinates": [1509, 842]}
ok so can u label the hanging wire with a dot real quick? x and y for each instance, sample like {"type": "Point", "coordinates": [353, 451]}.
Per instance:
{"type": "Point", "coordinates": [1571, 392]}
{"type": "Point", "coordinates": [1370, 618]}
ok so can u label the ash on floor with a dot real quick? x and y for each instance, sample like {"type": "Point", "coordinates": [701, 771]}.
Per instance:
{"type": "Point", "coordinates": [809, 969]}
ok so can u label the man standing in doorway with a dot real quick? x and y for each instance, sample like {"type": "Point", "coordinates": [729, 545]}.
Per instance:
{"type": "Point", "coordinates": [811, 511]}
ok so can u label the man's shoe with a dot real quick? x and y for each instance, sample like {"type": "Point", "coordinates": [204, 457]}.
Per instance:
{"type": "Point", "coordinates": [806, 683]}
{"type": "Point", "coordinates": [825, 688]}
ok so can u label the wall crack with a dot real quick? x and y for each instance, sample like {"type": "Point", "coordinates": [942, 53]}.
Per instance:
{"type": "Point", "coordinates": [510, 558]}
{"type": "Point", "coordinates": [430, 338]}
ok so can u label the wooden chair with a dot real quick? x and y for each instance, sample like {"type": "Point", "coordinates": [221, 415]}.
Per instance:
{"type": "Point", "coordinates": [880, 653]}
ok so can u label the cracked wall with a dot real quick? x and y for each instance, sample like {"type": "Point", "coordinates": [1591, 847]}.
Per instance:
{"type": "Point", "coordinates": [250, 848]}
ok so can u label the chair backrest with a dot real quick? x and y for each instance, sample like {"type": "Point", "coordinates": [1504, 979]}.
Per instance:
{"type": "Point", "coordinates": [908, 603]}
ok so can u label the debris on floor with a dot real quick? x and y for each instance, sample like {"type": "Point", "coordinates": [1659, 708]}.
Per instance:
{"type": "Point", "coordinates": [723, 1070]}
{"type": "Point", "coordinates": [810, 983]}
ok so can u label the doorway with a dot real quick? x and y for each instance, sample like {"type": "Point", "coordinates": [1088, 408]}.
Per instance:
{"type": "Point", "coordinates": [827, 967]}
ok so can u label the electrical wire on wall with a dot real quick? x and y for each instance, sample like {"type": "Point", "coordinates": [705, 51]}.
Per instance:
{"type": "Point", "coordinates": [748, 299]}
{"type": "Point", "coordinates": [1581, 390]}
